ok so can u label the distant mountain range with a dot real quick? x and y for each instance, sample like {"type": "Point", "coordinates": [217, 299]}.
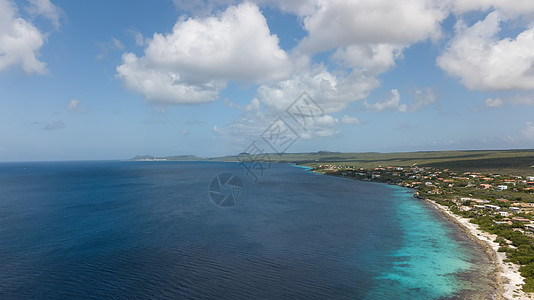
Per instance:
{"type": "Point", "coordinates": [519, 162]}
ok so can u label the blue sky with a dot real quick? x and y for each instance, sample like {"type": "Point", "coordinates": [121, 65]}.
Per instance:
{"type": "Point", "coordinates": [110, 80]}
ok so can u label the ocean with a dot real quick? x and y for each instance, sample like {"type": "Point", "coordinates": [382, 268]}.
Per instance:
{"type": "Point", "coordinates": [114, 229]}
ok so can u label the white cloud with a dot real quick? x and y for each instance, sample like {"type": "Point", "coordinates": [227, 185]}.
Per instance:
{"type": "Point", "coordinates": [76, 107]}
{"type": "Point", "coordinates": [422, 98]}
{"type": "Point", "coordinates": [520, 99]}
{"type": "Point", "coordinates": [253, 105]}
{"type": "Point", "coordinates": [332, 92]}
{"type": "Point", "coordinates": [350, 120]}
{"type": "Point", "coordinates": [139, 38]}
{"type": "Point", "coordinates": [247, 127]}
{"type": "Point", "coordinates": [388, 103]}
{"type": "Point", "coordinates": [164, 87]}
{"type": "Point", "coordinates": [20, 41]}
{"type": "Point", "coordinates": [482, 61]}
{"type": "Point", "coordinates": [54, 125]}
{"type": "Point", "coordinates": [194, 62]}
{"type": "Point", "coordinates": [340, 23]}
{"type": "Point", "coordinates": [250, 126]}
{"type": "Point", "coordinates": [117, 44]}
{"type": "Point", "coordinates": [322, 126]}
{"type": "Point", "coordinates": [512, 8]}
{"type": "Point", "coordinates": [46, 9]}
{"type": "Point", "coordinates": [494, 102]}
{"type": "Point", "coordinates": [374, 58]}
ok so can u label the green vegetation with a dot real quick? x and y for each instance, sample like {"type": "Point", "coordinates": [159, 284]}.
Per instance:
{"type": "Point", "coordinates": [493, 188]}
{"type": "Point", "coordinates": [501, 203]}
{"type": "Point", "coordinates": [514, 162]}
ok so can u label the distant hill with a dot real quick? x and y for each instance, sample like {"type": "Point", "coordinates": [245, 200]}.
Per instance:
{"type": "Point", "coordinates": [517, 162]}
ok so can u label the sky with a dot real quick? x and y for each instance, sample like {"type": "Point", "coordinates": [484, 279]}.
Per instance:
{"type": "Point", "coordinates": [114, 79]}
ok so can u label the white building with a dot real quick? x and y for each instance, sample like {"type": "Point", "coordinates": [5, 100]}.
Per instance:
{"type": "Point", "coordinates": [502, 187]}
{"type": "Point", "coordinates": [514, 209]}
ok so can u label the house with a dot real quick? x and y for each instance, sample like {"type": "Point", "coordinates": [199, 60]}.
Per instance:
{"type": "Point", "coordinates": [493, 207]}
{"type": "Point", "coordinates": [523, 205]}
{"type": "Point", "coordinates": [529, 227]}
{"type": "Point", "coordinates": [519, 219]}
{"type": "Point", "coordinates": [510, 181]}
{"type": "Point", "coordinates": [502, 187]}
{"type": "Point", "coordinates": [530, 178]}
{"type": "Point", "coordinates": [514, 210]}
{"type": "Point", "coordinates": [485, 186]}
{"type": "Point", "coordinates": [503, 213]}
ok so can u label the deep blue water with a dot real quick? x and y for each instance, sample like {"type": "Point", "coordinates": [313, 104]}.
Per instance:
{"type": "Point", "coordinates": [149, 230]}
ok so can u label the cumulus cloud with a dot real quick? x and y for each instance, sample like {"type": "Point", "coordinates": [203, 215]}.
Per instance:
{"type": "Point", "coordinates": [514, 9]}
{"type": "Point", "coordinates": [163, 87]}
{"type": "Point", "coordinates": [332, 92]}
{"type": "Point", "coordinates": [483, 61]}
{"type": "Point", "coordinates": [193, 63]}
{"type": "Point", "coordinates": [350, 120]}
{"type": "Point", "coordinates": [340, 23]}
{"type": "Point", "coordinates": [253, 105]}
{"type": "Point", "coordinates": [138, 37]}
{"type": "Point", "coordinates": [46, 9]}
{"type": "Point", "coordinates": [392, 102]}
{"type": "Point", "coordinates": [54, 125]}
{"type": "Point", "coordinates": [522, 99]}
{"type": "Point", "coordinates": [494, 102]}
{"type": "Point", "coordinates": [421, 98]}
{"type": "Point", "coordinates": [250, 126]}
{"type": "Point", "coordinates": [373, 58]}
{"type": "Point", "coordinates": [76, 107]}
{"type": "Point", "coordinates": [322, 126]}
{"type": "Point", "coordinates": [20, 41]}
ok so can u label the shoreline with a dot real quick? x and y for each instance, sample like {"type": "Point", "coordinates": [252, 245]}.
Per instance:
{"type": "Point", "coordinates": [508, 279]}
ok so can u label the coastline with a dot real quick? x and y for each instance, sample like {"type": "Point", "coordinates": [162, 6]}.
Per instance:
{"type": "Point", "coordinates": [508, 280]}
{"type": "Point", "coordinates": [507, 276]}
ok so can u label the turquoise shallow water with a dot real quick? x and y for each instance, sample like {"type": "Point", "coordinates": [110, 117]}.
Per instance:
{"type": "Point", "coordinates": [149, 230]}
{"type": "Point", "coordinates": [425, 265]}
{"type": "Point", "coordinates": [433, 256]}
